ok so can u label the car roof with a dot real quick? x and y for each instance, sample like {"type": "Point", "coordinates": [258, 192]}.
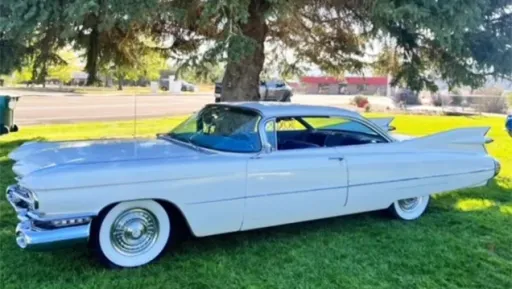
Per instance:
{"type": "Point", "coordinates": [278, 109]}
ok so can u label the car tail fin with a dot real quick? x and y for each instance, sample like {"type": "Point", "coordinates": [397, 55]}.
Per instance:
{"type": "Point", "coordinates": [383, 122]}
{"type": "Point", "coordinates": [462, 139]}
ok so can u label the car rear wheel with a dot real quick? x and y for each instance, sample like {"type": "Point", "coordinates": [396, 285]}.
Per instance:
{"type": "Point", "coordinates": [132, 234]}
{"type": "Point", "coordinates": [409, 209]}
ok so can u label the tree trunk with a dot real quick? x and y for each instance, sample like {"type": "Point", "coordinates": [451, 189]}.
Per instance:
{"type": "Point", "coordinates": [120, 83]}
{"type": "Point", "coordinates": [242, 78]}
{"type": "Point", "coordinates": [92, 57]}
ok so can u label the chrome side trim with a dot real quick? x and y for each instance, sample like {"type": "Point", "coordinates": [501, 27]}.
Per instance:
{"type": "Point", "coordinates": [42, 218]}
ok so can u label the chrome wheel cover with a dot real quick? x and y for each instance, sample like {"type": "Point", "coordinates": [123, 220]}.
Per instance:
{"type": "Point", "coordinates": [410, 204]}
{"type": "Point", "coordinates": [134, 232]}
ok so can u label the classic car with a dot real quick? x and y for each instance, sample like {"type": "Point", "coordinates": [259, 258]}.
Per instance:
{"type": "Point", "coordinates": [233, 167]}
{"type": "Point", "coordinates": [269, 90]}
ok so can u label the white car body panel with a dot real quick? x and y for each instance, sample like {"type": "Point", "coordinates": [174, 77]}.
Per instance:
{"type": "Point", "coordinates": [304, 180]}
{"type": "Point", "coordinates": [220, 192]}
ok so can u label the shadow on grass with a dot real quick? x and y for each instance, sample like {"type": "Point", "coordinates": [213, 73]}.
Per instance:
{"type": "Point", "coordinates": [496, 194]}
{"type": "Point", "coordinates": [7, 147]}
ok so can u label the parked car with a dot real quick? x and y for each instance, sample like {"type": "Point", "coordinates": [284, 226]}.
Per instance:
{"type": "Point", "coordinates": [508, 124]}
{"type": "Point", "coordinates": [272, 90]}
{"type": "Point", "coordinates": [233, 167]}
{"type": "Point", "coordinates": [186, 86]}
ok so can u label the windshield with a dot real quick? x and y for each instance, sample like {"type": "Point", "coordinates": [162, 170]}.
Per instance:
{"type": "Point", "coordinates": [221, 128]}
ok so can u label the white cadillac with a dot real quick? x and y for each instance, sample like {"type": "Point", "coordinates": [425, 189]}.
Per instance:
{"type": "Point", "coordinates": [233, 167]}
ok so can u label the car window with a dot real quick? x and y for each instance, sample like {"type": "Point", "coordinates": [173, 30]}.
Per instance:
{"type": "Point", "coordinates": [288, 123]}
{"type": "Point", "coordinates": [320, 132]}
{"type": "Point", "coordinates": [221, 128]}
{"type": "Point", "coordinates": [338, 123]}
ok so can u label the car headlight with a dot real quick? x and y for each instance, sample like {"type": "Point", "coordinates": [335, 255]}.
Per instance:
{"type": "Point", "coordinates": [23, 197]}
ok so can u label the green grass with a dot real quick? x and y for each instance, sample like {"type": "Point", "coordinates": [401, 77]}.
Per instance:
{"type": "Point", "coordinates": [464, 241]}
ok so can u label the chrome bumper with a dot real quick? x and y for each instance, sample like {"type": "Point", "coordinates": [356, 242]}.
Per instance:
{"type": "Point", "coordinates": [30, 234]}
{"type": "Point", "coordinates": [31, 237]}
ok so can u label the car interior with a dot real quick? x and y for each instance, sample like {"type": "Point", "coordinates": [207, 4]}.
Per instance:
{"type": "Point", "coordinates": [309, 137]}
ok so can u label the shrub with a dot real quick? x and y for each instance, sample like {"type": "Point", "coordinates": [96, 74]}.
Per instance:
{"type": "Point", "coordinates": [406, 97]}
{"type": "Point", "coordinates": [441, 99]}
{"type": "Point", "coordinates": [360, 101]}
{"type": "Point", "coordinates": [492, 104]}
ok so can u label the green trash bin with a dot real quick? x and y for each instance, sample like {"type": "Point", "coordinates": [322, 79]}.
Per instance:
{"type": "Point", "coordinates": [7, 106]}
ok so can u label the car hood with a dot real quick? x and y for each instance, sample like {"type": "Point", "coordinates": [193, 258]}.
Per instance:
{"type": "Point", "coordinates": [35, 156]}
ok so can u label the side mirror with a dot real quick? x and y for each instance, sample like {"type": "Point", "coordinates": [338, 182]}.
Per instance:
{"type": "Point", "coordinates": [391, 128]}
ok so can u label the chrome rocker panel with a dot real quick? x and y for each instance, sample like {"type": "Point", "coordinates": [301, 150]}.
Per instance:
{"type": "Point", "coordinates": [33, 237]}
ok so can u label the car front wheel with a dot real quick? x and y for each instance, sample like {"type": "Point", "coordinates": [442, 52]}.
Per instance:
{"type": "Point", "coordinates": [132, 234]}
{"type": "Point", "coordinates": [409, 209]}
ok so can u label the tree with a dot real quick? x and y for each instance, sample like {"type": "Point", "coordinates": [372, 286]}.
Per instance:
{"type": "Point", "coordinates": [461, 41]}
{"type": "Point", "coordinates": [109, 31]}
{"type": "Point", "coordinates": [207, 73]}
{"type": "Point", "coordinates": [31, 33]}
{"type": "Point", "coordinates": [150, 65]}
{"type": "Point", "coordinates": [23, 75]}
{"type": "Point", "coordinates": [64, 70]}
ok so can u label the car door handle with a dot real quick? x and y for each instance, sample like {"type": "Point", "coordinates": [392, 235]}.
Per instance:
{"type": "Point", "coordinates": [336, 159]}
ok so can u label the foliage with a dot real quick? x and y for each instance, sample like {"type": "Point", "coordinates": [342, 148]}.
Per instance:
{"type": "Point", "coordinates": [360, 101]}
{"type": "Point", "coordinates": [129, 62]}
{"type": "Point", "coordinates": [23, 75]}
{"type": "Point", "coordinates": [387, 62]}
{"type": "Point", "coordinates": [34, 29]}
{"type": "Point", "coordinates": [150, 65]}
{"type": "Point", "coordinates": [204, 74]}
{"type": "Point", "coordinates": [463, 241]}
{"type": "Point", "coordinates": [459, 41]}
{"type": "Point", "coordinates": [64, 71]}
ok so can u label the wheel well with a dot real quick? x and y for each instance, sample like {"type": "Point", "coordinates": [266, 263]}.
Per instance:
{"type": "Point", "coordinates": [176, 215]}
{"type": "Point", "coordinates": [177, 218]}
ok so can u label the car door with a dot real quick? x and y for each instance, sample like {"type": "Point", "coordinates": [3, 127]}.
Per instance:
{"type": "Point", "coordinates": [294, 185]}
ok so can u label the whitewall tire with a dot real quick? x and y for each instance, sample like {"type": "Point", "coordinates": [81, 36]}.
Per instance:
{"type": "Point", "coordinates": [132, 234]}
{"type": "Point", "coordinates": [410, 209]}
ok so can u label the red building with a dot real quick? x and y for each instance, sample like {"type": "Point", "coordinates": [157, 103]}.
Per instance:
{"type": "Point", "coordinates": [372, 85]}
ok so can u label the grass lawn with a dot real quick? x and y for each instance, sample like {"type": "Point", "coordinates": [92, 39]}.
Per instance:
{"type": "Point", "coordinates": [464, 241]}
